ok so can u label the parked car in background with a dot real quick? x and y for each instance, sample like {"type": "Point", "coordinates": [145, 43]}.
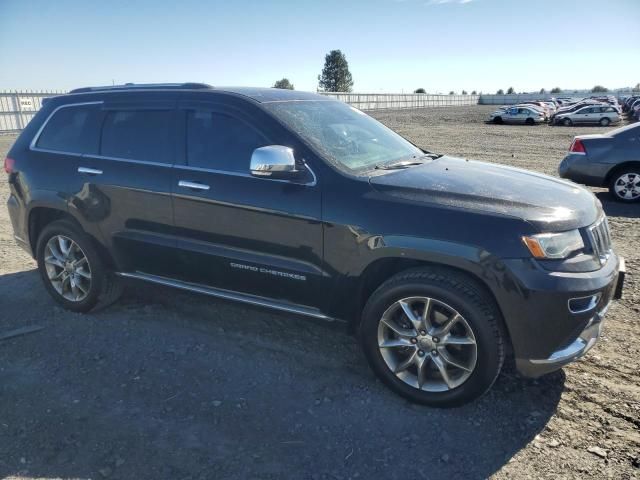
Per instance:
{"type": "Point", "coordinates": [519, 114]}
{"type": "Point", "coordinates": [603, 115]}
{"type": "Point", "coordinates": [606, 160]}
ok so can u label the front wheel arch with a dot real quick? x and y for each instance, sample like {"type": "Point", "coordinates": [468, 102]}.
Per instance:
{"type": "Point", "coordinates": [381, 270]}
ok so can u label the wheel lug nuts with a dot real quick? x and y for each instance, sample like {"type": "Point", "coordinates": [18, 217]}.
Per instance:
{"type": "Point", "coordinates": [413, 340]}
{"type": "Point", "coordinates": [420, 353]}
{"type": "Point", "coordinates": [435, 339]}
{"type": "Point", "coordinates": [434, 352]}
{"type": "Point", "coordinates": [422, 332]}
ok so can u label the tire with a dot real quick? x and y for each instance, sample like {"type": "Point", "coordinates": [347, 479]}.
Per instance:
{"type": "Point", "coordinates": [498, 120]}
{"type": "Point", "coordinates": [94, 286]}
{"type": "Point", "coordinates": [567, 122]}
{"type": "Point", "coordinates": [450, 293]}
{"type": "Point", "coordinates": [624, 185]}
{"type": "Point", "coordinates": [529, 121]}
{"type": "Point", "coordinates": [604, 122]}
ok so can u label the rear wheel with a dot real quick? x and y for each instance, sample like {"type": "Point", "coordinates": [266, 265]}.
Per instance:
{"type": "Point", "coordinates": [72, 270]}
{"type": "Point", "coordinates": [433, 336]}
{"type": "Point", "coordinates": [625, 185]}
{"type": "Point", "coordinates": [567, 122]}
{"type": "Point", "coordinates": [604, 122]}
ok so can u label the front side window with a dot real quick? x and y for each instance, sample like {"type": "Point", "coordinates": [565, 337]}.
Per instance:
{"type": "Point", "coordinates": [344, 135]}
{"type": "Point", "coordinates": [220, 142]}
{"type": "Point", "coordinates": [73, 129]}
{"type": "Point", "coordinates": [138, 135]}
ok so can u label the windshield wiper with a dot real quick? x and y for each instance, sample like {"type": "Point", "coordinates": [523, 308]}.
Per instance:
{"type": "Point", "coordinates": [395, 165]}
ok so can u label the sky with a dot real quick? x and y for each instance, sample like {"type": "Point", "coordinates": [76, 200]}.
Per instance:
{"type": "Point", "coordinates": [391, 45]}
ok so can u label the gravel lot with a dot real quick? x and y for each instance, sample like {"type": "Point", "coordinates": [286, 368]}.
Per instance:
{"type": "Point", "coordinates": [169, 385]}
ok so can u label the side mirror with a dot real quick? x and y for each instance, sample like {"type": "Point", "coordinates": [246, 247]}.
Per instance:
{"type": "Point", "coordinates": [273, 161]}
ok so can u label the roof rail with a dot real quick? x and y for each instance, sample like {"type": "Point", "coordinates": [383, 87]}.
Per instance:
{"type": "Point", "coordinates": [144, 86]}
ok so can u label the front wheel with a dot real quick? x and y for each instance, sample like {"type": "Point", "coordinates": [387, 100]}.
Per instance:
{"type": "Point", "coordinates": [434, 337]}
{"type": "Point", "coordinates": [604, 122]}
{"type": "Point", "coordinates": [567, 122]}
{"type": "Point", "coordinates": [529, 121]}
{"type": "Point", "coordinates": [72, 270]}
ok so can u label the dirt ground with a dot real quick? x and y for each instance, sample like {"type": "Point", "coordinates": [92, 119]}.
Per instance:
{"type": "Point", "coordinates": [168, 385]}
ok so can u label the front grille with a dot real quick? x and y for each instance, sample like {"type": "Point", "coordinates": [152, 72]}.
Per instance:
{"type": "Point", "coordinates": [600, 239]}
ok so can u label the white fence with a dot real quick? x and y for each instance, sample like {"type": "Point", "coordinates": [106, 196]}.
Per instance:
{"type": "Point", "coordinates": [532, 97]}
{"type": "Point", "coordinates": [18, 108]}
{"type": "Point", "coordinates": [382, 101]}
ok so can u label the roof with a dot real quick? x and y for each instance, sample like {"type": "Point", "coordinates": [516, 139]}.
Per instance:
{"type": "Point", "coordinates": [266, 95]}
{"type": "Point", "coordinates": [261, 95]}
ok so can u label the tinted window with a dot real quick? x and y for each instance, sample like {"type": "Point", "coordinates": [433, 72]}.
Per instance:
{"type": "Point", "coordinates": [137, 135]}
{"type": "Point", "coordinates": [220, 142]}
{"type": "Point", "coordinates": [72, 129]}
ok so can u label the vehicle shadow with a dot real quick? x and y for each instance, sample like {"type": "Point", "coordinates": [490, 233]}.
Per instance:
{"type": "Point", "coordinates": [618, 209]}
{"type": "Point", "coordinates": [166, 384]}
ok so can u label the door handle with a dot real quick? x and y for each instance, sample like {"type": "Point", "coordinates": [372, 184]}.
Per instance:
{"type": "Point", "coordinates": [193, 185]}
{"type": "Point", "coordinates": [89, 171]}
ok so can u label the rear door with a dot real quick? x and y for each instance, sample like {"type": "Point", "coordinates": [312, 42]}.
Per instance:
{"type": "Point", "coordinates": [125, 187]}
{"type": "Point", "coordinates": [238, 232]}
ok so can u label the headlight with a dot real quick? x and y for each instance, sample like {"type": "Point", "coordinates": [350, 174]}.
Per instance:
{"type": "Point", "coordinates": [554, 245]}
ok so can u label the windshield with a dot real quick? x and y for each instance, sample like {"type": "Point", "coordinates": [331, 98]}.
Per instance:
{"type": "Point", "coordinates": [347, 136]}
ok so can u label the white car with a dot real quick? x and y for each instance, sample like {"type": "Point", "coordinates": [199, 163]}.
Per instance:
{"type": "Point", "coordinates": [604, 115]}
{"type": "Point", "coordinates": [519, 114]}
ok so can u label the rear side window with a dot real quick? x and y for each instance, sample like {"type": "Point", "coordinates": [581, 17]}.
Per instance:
{"type": "Point", "coordinates": [73, 129]}
{"type": "Point", "coordinates": [138, 135]}
{"type": "Point", "coordinates": [221, 142]}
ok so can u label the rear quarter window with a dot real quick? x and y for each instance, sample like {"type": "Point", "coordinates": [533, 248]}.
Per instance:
{"type": "Point", "coordinates": [72, 129]}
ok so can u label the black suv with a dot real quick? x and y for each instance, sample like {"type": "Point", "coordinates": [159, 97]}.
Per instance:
{"type": "Point", "coordinates": [297, 202]}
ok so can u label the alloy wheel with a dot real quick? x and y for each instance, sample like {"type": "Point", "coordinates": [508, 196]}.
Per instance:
{"type": "Point", "coordinates": [627, 186]}
{"type": "Point", "coordinates": [68, 268]}
{"type": "Point", "coordinates": [427, 344]}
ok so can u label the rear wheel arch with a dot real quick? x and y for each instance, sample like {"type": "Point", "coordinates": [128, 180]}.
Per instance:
{"type": "Point", "coordinates": [40, 217]}
{"type": "Point", "coordinates": [620, 168]}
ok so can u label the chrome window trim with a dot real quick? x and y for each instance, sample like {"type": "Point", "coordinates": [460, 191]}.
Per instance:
{"type": "Point", "coordinates": [129, 160]}
{"type": "Point", "coordinates": [312, 183]}
{"type": "Point", "coordinates": [36, 137]}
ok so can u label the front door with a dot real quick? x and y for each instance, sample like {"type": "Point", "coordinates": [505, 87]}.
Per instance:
{"type": "Point", "coordinates": [238, 232]}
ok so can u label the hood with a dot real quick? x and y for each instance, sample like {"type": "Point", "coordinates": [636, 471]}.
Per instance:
{"type": "Point", "coordinates": [548, 203]}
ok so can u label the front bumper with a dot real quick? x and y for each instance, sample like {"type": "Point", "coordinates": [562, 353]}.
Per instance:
{"type": "Point", "coordinates": [585, 340]}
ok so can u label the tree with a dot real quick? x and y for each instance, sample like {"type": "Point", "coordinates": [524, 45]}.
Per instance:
{"type": "Point", "coordinates": [474, 93]}
{"type": "Point", "coordinates": [637, 87]}
{"type": "Point", "coordinates": [284, 84]}
{"type": "Point", "coordinates": [599, 89]}
{"type": "Point", "coordinates": [464, 92]}
{"type": "Point", "coordinates": [419, 90]}
{"type": "Point", "coordinates": [335, 75]}
{"type": "Point", "coordinates": [510, 91]}
{"type": "Point", "coordinates": [452, 92]}
{"type": "Point", "coordinates": [543, 91]}
{"type": "Point", "coordinates": [556, 90]}
{"type": "Point", "coordinates": [500, 92]}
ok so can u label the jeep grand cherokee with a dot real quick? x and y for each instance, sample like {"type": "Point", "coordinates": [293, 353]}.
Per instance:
{"type": "Point", "coordinates": [300, 203]}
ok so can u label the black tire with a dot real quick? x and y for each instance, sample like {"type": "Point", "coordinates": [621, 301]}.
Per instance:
{"type": "Point", "coordinates": [616, 177]}
{"type": "Point", "coordinates": [604, 122]}
{"type": "Point", "coordinates": [567, 122]}
{"type": "Point", "coordinates": [105, 288]}
{"type": "Point", "coordinates": [467, 298]}
{"type": "Point", "coordinates": [529, 121]}
{"type": "Point", "coordinates": [497, 120]}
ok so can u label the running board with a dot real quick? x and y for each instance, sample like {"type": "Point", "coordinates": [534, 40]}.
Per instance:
{"type": "Point", "coordinates": [227, 294]}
